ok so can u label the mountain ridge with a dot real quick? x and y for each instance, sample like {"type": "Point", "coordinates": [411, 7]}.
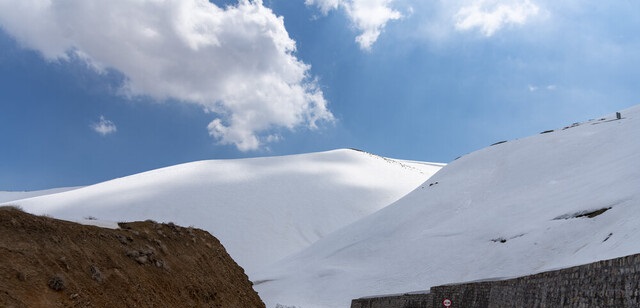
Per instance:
{"type": "Point", "coordinates": [262, 209]}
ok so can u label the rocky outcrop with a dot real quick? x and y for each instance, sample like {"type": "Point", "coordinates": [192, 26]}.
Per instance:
{"type": "Point", "coordinates": [46, 262]}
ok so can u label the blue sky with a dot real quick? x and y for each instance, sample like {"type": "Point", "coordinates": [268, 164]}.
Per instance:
{"type": "Point", "coordinates": [90, 91]}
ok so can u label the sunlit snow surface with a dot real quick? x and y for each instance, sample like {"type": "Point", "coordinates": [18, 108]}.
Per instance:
{"type": "Point", "coordinates": [261, 209]}
{"type": "Point", "coordinates": [503, 211]}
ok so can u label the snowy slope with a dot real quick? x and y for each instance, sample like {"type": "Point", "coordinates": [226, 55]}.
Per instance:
{"type": "Point", "coordinates": [261, 209]}
{"type": "Point", "coordinates": [6, 196]}
{"type": "Point", "coordinates": [507, 210]}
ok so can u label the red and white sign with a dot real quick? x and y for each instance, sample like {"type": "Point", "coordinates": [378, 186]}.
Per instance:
{"type": "Point", "coordinates": [446, 302]}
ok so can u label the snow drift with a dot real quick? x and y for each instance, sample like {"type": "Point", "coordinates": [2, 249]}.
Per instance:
{"type": "Point", "coordinates": [558, 199]}
{"type": "Point", "coordinates": [261, 209]}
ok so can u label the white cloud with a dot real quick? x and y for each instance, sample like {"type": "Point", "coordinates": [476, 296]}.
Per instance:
{"type": "Point", "coordinates": [104, 127]}
{"type": "Point", "coordinates": [368, 16]}
{"type": "Point", "coordinates": [534, 88]}
{"type": "Point", "coordinates": [237, 61]}
{"type": "Point", "coordinates": [489, 16]}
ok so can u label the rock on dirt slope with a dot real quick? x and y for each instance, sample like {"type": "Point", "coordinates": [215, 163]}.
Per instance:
{"type": "Point", "coordinates": [46, 262]}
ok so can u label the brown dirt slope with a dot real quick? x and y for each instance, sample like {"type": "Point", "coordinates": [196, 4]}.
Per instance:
{"type": "Point", "coordinates": [46, 262]}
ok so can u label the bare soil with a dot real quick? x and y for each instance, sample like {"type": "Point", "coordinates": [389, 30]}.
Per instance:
{"type": "Point", "coordinates": [46, 262]}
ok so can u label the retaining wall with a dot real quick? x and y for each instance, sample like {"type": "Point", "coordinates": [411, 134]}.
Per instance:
{"type": "Point", "coordinates": [608, 283]}
{"type": "Point", "coordinates": [407, 300]}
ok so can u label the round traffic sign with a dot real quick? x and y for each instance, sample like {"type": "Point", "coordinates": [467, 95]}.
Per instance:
{"type": "Point", "coordinates": [446, 302]}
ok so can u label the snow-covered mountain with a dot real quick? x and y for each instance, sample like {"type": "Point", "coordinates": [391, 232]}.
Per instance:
{"type": "Point", "coordinates": [558, 199]}
{"type": "Point", "coordinates": [261, 209]}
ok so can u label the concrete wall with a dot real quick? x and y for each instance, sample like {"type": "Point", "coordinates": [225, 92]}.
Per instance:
{"type": "Point", "coordinates": [609, 283]}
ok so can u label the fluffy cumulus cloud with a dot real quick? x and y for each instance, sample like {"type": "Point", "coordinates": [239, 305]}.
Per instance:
{"type": "Point", "coordinates": [237, 61]}
{"type": "Point", "coordinates": [489, 16]}
{"type": "Point", "coordinates": [435, 20]}
{"type": "Point", "coordinates": [104, 127]}
{"type": "Point", "coordinates": [368, 16]}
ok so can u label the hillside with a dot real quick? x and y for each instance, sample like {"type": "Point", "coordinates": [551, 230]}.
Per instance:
{"type": "Point", "coordinates": [53, 263]}
{"type": "Point", "coordinates": [261, 209]}
{"type": "Point", "coordinates": [554, 200]}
